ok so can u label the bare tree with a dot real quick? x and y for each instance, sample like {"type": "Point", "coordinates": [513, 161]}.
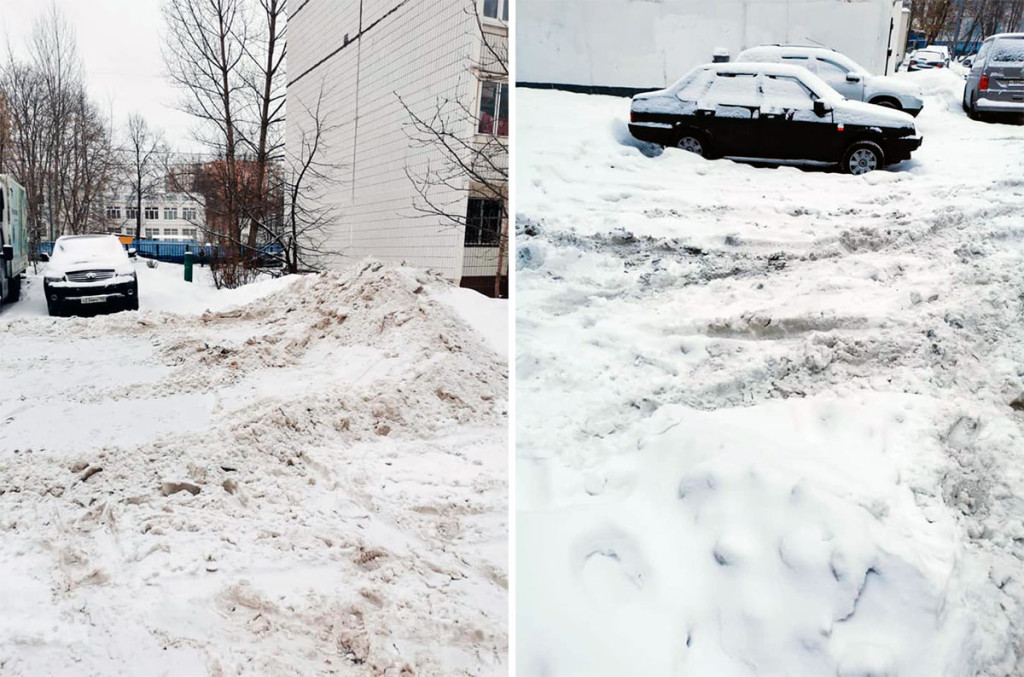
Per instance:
{"type": "Point", "coordinates": [472, 146]}
{"type": "Point", "coordinates": [204, 56]}
{"type": "Point", "coordinates": [142, 163]}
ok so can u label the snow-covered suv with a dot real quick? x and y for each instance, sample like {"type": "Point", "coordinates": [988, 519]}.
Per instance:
{"type": "Point", "coordinates": [774, 112]}
{"type": "Point", "coordinates": [844, 74]}
{"type": "Point", "coordinates": [89, 269]}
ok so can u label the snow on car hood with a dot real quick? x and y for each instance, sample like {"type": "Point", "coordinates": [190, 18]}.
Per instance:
{"type": "Point", "coordinates": [890, 85]}
{"type": "Point", "coordinates": [87, 254]}
{"type": "Point", "coordinates": [860, 113]}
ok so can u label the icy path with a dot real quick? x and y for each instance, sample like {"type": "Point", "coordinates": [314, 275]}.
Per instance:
{"type": "Point", "coordinates": [310, 478]}
{"type": "Point", "coordinates": [770, 423]}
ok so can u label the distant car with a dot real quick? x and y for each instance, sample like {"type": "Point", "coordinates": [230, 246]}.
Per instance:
{"type": "Point", "coordinates": [996, 81]}
{"type": "Point", "coordinates": [89, 269]}
{"type": "Point", "coordinates": [842, 73]}
{"type": "Point", "coordinates": [925, 59]}
{"type": "Point", "coordinates": [771, 112]}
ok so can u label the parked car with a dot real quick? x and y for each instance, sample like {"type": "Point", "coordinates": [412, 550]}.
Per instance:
{"type": "Point", "coordinates": [89, 269]}
{"type": "Point", "coordinates": [844, 75]}
{"type": "Point", "coordinates": [925, 59]}
{"type": "Point", "coordinates": [996, 81]}
{"type": "Point", "coordinates": [772, 112]}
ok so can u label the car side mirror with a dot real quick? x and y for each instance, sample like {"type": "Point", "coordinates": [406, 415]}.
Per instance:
{"type": "Point", "coordinates": [8, 252]}
{"type": "Point", "coordinates": [131, 252]}
{"type": "Point", "coordinates": [820, 108]}
{"type": "Point", "coordinates": [853, 77]}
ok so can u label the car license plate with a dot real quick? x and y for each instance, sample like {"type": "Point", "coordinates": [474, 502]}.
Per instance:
{"type": "Point", "coordinates": [93, 299]}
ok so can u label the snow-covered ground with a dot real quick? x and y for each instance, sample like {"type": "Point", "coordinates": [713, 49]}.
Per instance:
{"type": "Point", "coordinates": [302, 476]}
{"type": "Point", "coordinates": [768, 419]}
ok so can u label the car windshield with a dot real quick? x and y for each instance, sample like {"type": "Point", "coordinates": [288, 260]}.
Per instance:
{"type": "Point", "coordinates": [1008, 50]}
{"type": "Point", "coordinates": [75, 250]}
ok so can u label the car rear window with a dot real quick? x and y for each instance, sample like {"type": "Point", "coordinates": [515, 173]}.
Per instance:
{"type": "Point", "coordinates": [1008, 50]}
{"type": "Point", "coordinates": [929, 55]}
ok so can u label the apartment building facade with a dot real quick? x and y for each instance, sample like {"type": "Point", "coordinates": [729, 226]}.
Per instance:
{"type": "Point", "coordinates": [165, 216]}
{"type": "Point", "coordinates": [371, 67]}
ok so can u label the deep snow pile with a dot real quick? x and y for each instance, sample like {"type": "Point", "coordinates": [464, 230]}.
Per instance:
{"type": "Point", "coordinates": [309, 477]}
{"type": "Point", "coordinates": [772, 413]}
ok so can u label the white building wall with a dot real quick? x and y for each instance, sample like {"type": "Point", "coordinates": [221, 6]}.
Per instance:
{"type": "Point", "coordinates": [421, 50]}
{"type": "Point", "coordinates": [651, 43]}
{"type": "Point", "coordinates": [160, 227]}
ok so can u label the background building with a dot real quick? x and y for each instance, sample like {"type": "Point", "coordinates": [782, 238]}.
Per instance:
{"type": "Point", "coordinates": [634, 45]}
{"type": "Point", "coordinates": [165, 216]}
{"type": "Point", "coordinates": [372, 64]}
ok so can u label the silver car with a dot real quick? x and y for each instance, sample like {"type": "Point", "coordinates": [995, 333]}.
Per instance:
{"type": "Point", "coordinates": [842, 73]}
{"type": "Point", "coordinates": [996, 81]}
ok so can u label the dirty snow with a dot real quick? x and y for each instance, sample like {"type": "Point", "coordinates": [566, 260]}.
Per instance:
{"type": "Point", "coordinates": [768, 418]}
{"type": "Point", "coordinates": [303, 476]}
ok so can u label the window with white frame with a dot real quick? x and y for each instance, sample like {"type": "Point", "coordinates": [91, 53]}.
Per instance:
{"type": "Point", "coordinates": [188, 213]}
{"type": "Point", "coordinates": [170, 232]}
{"type": "Point", "coordinates": [190, 233]}
{"type": "Point", "coordinates": [150, 233]}
{"type": "Point", "coordinates": [495, 9]}
{"type": "Point", "coordinates": [131, 213]}
{"type": "Point", "coordinates": [113, 212]}
{"type": "Point", "coordinates": [170, 213]}
{"type": "Point", "coordinates": [152, 214]}
{"type": "Point", "coordinates": [493, 108]}
{"type": "Point", "coordinates": [483, 222]}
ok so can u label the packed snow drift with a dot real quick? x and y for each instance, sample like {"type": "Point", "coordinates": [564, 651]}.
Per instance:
{"type": "Point", "coordinates": [302, 476]}
{"type": "Point", "coordinates": [768, 419]}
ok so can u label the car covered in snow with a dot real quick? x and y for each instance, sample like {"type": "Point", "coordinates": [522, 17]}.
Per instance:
{"type": "Point", "coordinates": [996, 81]}
{"type": "Point", "coordinates": [771, 112]}
{"type": "Point", "coordinates": [843, 74]}
{"type": "Point", "coordinates": [89, 269]}
{"type": "Point", "coordinates": [928, 58]}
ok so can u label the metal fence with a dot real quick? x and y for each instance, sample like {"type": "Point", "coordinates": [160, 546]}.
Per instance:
{"type": "Point", "coordinates": [174, 251]}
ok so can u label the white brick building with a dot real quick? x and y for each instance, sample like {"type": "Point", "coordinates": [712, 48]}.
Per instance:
{"type": "Point", "coordinates": [166, 216]}
{"type": "Point", "coordinates": [367, 57]}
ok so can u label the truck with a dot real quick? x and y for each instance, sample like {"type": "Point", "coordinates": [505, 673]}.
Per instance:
{"type": "Point", "coordinates": [13, 238]}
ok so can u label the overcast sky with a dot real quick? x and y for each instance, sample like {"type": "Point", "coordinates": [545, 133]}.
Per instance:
{"type": "Point", "coordinates": [119, 44]}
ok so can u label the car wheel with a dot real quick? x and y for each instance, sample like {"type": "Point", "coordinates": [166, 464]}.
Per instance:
{"type": "Point", "coordinates": [972, 111]}
{"type": "Point", "coordinates": [53, 308]}
{"type": "Point", "coordinates": [133, 302]}
{"type": "Point", "coordinates": [863, 157]}
{"type": "Point", "coordinates": [887, 103]}
{"type": "Point", "coordinates": [14, 290]}
{"type": "Point", "coordinates": [693, 143]}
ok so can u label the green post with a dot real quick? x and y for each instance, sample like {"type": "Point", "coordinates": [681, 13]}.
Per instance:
{"type": "Point", "coordinates": [188, 265]}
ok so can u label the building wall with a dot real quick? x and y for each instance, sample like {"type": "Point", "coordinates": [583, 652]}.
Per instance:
{"type": "Point", "coordinates": [159, 228]}
{"type": "Point", "coordinates": [419, 50]}
{"type": "Point", "coordinates": [643, 44]}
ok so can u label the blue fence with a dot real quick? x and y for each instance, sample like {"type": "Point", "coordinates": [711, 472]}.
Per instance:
{"type": "Point", "coordinates": [174, 251]}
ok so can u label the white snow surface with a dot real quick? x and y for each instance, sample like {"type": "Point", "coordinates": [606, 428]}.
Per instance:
{"type": "Point", "coordinates": [767, 418]}
{"type": "Point", "coordinates": [306, 475]}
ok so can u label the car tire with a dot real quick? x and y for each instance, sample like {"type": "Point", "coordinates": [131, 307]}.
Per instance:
{"type": "Point", "coordinates": [862, 157]}
{"type": "Point", "coordinates": [132, 303]}
{"type": "Point", "coordinates": [54, 308]}
{"type": "Point", "coordinates": [972, 111]}
{"type": "Point", "coordinates": [694, 142]}
{"type": "Point", "coordinates": [887, 103]}
{"type": "Point", "coordinates": [14, 289]}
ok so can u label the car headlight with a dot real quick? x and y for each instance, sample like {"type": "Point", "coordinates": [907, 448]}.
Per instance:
{"type": "Point", "coordinates": [52, 277]}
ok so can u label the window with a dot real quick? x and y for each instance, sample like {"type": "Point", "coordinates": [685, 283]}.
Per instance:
{"type": "Point", "coordinates": [170, 213]}
{"type": "Point", "coordinates": [150, 233]}
{"type": "Point", "coordinates": [830, 71]}
{"type": "Point", "coordinates": [734, 90]}
{"type": "Point", "coordinates": [152, 213]}
{"type": "Point", "coordinates": [188, 213]}
{"type": "Point", "coordinates": [1008, 50]}
{"type": "Point", "coordinates": [494, 9]}
{"type": "Point", "coordinates": [483, 222]}
{"type": "Point", "coordinates": [113, 212]}
{"type": "Point", "coordinates": [190, 233]}
{"type": "Point", "coordinates": [170, 232]}
{"type": "Point", "coordinates": [131, 213]}
{"type": "Point", "coordinates": [493, 109]}
{"type": "Point", "coordinates": [785, 92]}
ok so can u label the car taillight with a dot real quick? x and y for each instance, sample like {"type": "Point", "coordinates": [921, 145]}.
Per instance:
{"type": "Point", "coordinates": [983, 83]}
{"type": "Point", "coordinates": [632, 116]}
